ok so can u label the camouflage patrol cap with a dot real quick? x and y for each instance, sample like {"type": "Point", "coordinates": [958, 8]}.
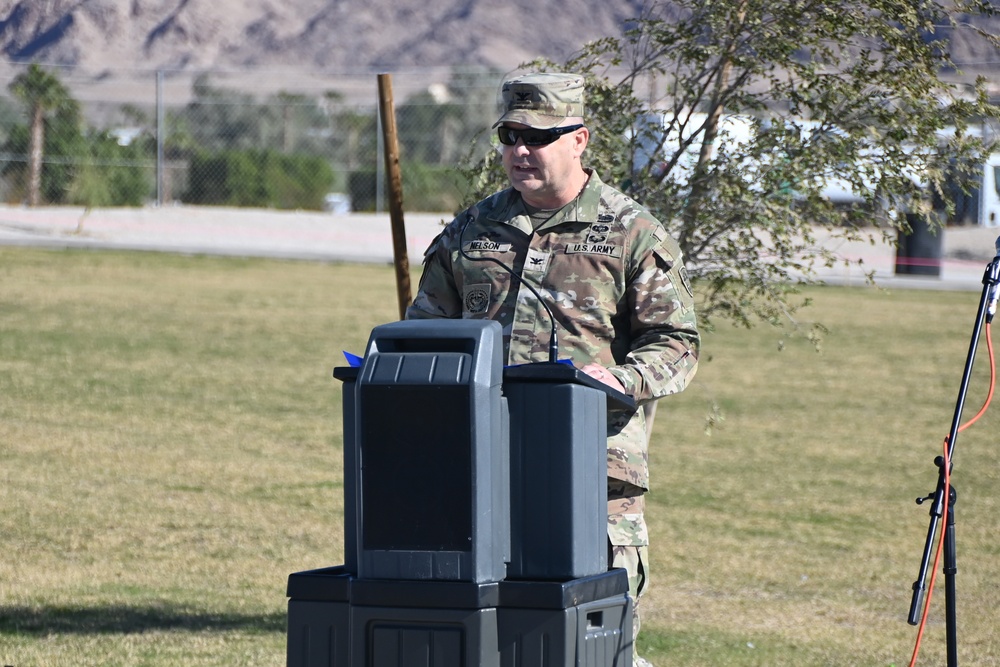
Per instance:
{"type": "Point", "coordinates": [542, 100]}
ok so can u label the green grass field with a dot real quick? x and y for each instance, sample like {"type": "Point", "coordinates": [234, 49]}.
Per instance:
{"type": "Point", "coordinates": [170, 450]}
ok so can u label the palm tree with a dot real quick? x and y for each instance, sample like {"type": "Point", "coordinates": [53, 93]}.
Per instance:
{"type": "Point", "coordinates": [42, 92]}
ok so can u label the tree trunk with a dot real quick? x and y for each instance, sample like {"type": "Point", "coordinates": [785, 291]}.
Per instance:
{"type": "Point", "coordinates": [699, 186]}
{"type": "Point", "coordinates": [35, 155]}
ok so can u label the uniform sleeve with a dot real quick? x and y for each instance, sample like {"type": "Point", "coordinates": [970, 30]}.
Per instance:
{"type": "Point", "coordinates": [437, 293]}
{"type": "Point", "coordinates": [664, 342]}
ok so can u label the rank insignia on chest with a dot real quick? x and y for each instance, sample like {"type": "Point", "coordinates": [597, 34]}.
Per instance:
{"type": "Point", "coordinates": [536, 261]}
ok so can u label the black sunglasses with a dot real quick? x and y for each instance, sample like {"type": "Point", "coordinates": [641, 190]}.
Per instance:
{"type": "Point", "coordinates": [531, 136]}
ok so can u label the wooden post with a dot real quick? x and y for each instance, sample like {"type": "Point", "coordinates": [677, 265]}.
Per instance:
{"type": "Point", "coordinates": [391, 143]}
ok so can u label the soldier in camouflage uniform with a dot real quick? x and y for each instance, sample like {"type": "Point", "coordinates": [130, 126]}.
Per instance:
{"type": "Point", "coordinates": [608, 270]}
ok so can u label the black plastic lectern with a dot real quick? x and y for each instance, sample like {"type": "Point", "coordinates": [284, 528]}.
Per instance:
{"type": "Point", "coordinates": [473, 532]}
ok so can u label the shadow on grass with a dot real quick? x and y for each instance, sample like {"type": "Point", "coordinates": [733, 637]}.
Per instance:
{"type": "Point", "coordinates": [122, 619]}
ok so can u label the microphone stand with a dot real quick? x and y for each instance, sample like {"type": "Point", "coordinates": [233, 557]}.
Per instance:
{"type": "Point", "coordinates": [987, 307]}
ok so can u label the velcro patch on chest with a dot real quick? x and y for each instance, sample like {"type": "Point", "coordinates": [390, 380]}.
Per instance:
{"type": "Point", "coordinates": [606, 249]}
{"type": "Point", "coordinates": [476, 298]}
{"type": "Point", "coordinates": [536, 261]}
{"type": "Point", "coordinates": [485, 245]}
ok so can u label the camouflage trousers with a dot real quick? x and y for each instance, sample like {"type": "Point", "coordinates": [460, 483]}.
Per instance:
{"type": "Point", "coordinates": [628, 545]}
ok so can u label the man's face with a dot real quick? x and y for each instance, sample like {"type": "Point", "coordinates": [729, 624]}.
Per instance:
{"type": "Point", "coordinates": [547, 176]}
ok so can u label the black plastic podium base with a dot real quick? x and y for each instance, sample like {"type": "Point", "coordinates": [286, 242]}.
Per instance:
{"type": "Point", "coordinates": [336, 619]}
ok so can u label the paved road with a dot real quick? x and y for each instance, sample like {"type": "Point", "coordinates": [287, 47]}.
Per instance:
{"type": "Point", "coordinates": [218, 231]}
{"type": "Point", "coordinates": [358, 237]}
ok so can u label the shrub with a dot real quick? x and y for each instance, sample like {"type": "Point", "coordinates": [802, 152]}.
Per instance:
{"type": "Point", "coordinates": [261, 178]}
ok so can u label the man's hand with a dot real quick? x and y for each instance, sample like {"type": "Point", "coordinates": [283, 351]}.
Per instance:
{"type": "Point", "coordinates": [601, 374]}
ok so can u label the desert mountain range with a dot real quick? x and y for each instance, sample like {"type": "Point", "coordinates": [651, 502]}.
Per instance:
{"type": "Point", "coordinates": [100, 39]}
{"type": "Point", "coordinates": [102, 35]}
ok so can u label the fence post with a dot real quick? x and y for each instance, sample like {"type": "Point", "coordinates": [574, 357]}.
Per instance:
{"type": "Point", "coordinates": [159, 137]}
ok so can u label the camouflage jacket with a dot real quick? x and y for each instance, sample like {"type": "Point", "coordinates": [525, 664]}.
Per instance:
{"type": "Point", "coordinates": [610, 273]}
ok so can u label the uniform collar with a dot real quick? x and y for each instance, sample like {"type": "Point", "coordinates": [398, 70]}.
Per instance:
{"type": "Point", "coordinates": [582, 209]}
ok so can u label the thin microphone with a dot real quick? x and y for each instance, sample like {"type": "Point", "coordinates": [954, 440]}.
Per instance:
{"type": "Point", "coordinates": [553, 340]}
{"type": "Point", "coordinates": [991, 306]}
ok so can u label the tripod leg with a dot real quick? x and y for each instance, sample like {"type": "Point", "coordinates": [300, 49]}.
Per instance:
{"type": "Point", "coordinates": [950, 570]}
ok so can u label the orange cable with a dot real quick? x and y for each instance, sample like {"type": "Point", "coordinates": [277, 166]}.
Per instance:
{"type": "Point", "coordinates": [947, 493]}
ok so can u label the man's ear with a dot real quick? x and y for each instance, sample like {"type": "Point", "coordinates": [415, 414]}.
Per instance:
{"type": "Point", "coordinates": [581, 137]}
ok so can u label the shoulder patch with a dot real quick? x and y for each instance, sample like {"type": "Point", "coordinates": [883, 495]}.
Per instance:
{"type": "Point", "coordinates": [686, 281]}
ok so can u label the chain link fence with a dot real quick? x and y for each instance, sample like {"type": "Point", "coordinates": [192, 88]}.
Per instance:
{"type": "Point", "coordinates": [269, 139]}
